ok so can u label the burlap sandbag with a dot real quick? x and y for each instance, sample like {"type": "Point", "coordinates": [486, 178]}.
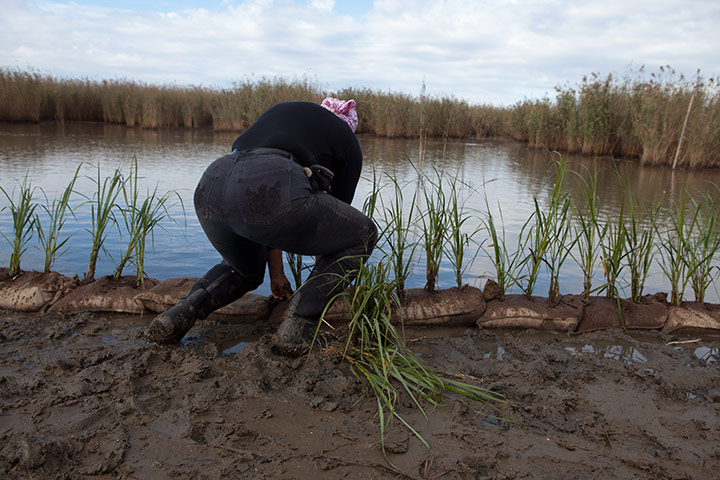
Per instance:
{"type": "Point", "coordinates": [447, 307]}
{"type": "Point", "coordinates": [601, 313]}
{"type": "Point", "coordinates": [693, 318]}
{"type": "Point", "coordinates": [104, 294]}
{"type": "Point", "coordinates": [250, 308]}
{"type": "Point", "coordinates": [31, 291]}
{"type": "Point", "coordinates": [519, 311]}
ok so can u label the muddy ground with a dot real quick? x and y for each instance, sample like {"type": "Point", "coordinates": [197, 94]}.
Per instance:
{"type": "Point", "coordinates": [84, 396]}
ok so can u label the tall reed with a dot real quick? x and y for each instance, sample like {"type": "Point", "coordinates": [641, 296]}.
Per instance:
{"type": "Point", "coordinates": [50, 238]}
{"type": "Point", "coordinates": [22, 211]}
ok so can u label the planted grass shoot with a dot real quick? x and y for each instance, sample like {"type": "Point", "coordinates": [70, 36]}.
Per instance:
{"type": "Point", "coordinates": [457, 240]}
{"type": "Point", "coordinates": [433, 226]}
{"type": "Point", "coordinates": [56, 211]}
{"type": "Point", "coordinates": [613, 247]}
{"type": "Point", "coordinates": [507, 265]}
{"type": "Point", "coordinates": [377, 353]}
{"type": "Point", "coordinates": [558, 222]}
{"type": "Point", "coordinates": [295, 262]}
{"type": "Point", "coordinates": [22, 210]}
{"type": "Point", "coordinates": [702, 246]}
{"type": "Point", "coordinates": [640, 236]}
{"type": "Point", "coordinates": [587, 230]}
{"type": "Point", "coordinates": [674, 248]}
{"type": "Point", "coordinates": [140, 217]}
{"type": "Point", "coordinates": [103, 204]}
{"type": "Point", "coordinates": [399, 219]}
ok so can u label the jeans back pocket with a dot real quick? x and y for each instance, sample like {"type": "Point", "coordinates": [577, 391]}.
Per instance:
{"type": "Point", "coordinates": [263, 190]}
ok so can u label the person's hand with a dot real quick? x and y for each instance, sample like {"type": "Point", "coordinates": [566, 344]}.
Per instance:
{"type": "Point", "coordinates": [280, 286]}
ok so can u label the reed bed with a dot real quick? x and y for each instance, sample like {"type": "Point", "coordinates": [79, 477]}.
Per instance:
{"type": "Point", "coordinates": [662, 119]}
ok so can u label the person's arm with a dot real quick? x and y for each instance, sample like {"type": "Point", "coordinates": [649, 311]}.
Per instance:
{"type": "Point", "coordinates": [279, 284]}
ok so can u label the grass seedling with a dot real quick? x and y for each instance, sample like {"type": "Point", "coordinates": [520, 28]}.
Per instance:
{"type": "Point", "coordinates": [50, 238]}
{"type": "Point", "coordinates": [102, 214]}
{"type": "Point", "coordinates": [23, 218]}
{"type": "Point", "coordinates": [378, 354]}
{"type": "Point", "coordinates": [613, 247]}
{"type": "Point", "coordinates": [702, 247]}
{"type": "Point", "coordinates": [586, 231]}
{"type": "Point", "coordinates": [140, 220]}
{"type": "Point", "coordinates": [558, 223]}
{"type": "Point", "coordinates": [295, 262]}
{"type": "Point", "coordinates": [506, 265]}
{"type": "Point", "coordinates": [674, 248]}
{"type": "Point", "coordinates": [457, 240]}
{"type": "Point", "coordinates": [548, 222]}
{"type": "Point", "coordinates": [640, 236]}
{"type": "Point", "coordinates": [398, 223]}
{"type": "Point", "coordinates": [434, 226]}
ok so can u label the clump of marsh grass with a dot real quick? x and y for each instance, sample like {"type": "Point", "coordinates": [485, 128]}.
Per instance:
{"type": "Point", "coordinates": [433, 223]}
{"type": "Point", "coordinates": [640, 237]}
{"type": "Point", "coordinates": [613, 248]}
{"type": "Point", "coordinates": [22, 210]}
{"type": "Point", "coordinates": [702, 246]}
{"type": "Point", "coordinates": [674, 248]}
{"type": "Point", "coordinates": [140, 216]}
{"type": "Point", "coordinates": [102, 204]}
{"type": "Point", "coordinates": [507, 265]}
{"type": "Point", "coordinates": [546, 231]}
{"type": "Point", "coordinates": [557, 220]}
{"type": "Point", "coordinates": [587, 230]}
{"type": "Point", "coordinates": [378, 354]}
{"type": "Point", "coordinates": [56, 211]}
{"type": "Point", "coordinates": [399, 218]}
{"type": "Point", "coordinates": [457, 240]}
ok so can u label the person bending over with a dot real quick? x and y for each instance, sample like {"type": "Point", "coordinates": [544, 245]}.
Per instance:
{"type": "Point", "coordinates": [286, 186]}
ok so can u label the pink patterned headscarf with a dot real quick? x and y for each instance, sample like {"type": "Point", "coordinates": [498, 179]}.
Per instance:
{"type": "Point", "coordinates": [343, 109]}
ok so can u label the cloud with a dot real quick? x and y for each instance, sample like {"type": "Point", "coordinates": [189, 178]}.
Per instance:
{"type": "Point", "coordinates": [480, 50]}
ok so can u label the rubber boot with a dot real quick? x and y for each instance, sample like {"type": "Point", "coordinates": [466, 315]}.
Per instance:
{"type": "Point", "coordinates": [172, 325]}
{"type": "Point", "coordinates": [217, 288]}
{"type": "Point", "coordinates": [295, 334]}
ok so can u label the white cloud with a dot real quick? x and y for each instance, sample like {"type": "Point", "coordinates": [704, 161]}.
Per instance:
{"type": "Point", "coordinates": [481, 50]}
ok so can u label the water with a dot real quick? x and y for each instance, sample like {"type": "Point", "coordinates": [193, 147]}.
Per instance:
{"type": "Point", "coordinates": [506, 173]}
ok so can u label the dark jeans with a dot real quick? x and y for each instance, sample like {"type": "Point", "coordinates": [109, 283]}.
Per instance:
{"type": "Point", "coordinates": [248, 202]}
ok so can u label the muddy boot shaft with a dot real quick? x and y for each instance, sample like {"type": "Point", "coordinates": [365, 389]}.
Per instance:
{"type": "Point", "coordinates": [295, 334]}
{"type": "Point", "coordinates": [217, 288]}
{"type": "Point", "coordinates": [171, 326]}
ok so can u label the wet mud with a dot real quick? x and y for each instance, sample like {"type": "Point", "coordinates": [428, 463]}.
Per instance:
{"type": "Point", "coordinates": [84, 396]}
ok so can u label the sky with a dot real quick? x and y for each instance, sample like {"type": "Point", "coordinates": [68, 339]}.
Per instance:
{"type": "Point", "coordinates": [482, 51]}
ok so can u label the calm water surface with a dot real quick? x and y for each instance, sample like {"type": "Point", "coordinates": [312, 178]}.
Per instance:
{"type": "Point", "coordinates": [507, 173]}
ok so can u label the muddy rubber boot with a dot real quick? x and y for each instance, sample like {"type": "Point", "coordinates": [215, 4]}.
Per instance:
{"type": "Point", "coordinates": [295, 334]}
{"type": "Point", "coordinates": [217, 288]}
{"type": "Point", "coordinates": [172, 325]}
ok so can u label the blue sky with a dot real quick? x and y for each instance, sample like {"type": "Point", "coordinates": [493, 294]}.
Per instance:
{"type": "Point", "coordinates": [483, 51]}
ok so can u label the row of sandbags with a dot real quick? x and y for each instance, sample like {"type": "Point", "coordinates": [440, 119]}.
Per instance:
{"type": "Point", "coordinates": [468, 306]}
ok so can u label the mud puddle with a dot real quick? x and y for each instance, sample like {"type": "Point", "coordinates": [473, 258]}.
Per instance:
{"type": "Point", "coordinates": [85, 396]}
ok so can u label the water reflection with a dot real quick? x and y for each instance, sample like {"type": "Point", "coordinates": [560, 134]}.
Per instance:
{"type": "Point", "coordinates": [506, 173]}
